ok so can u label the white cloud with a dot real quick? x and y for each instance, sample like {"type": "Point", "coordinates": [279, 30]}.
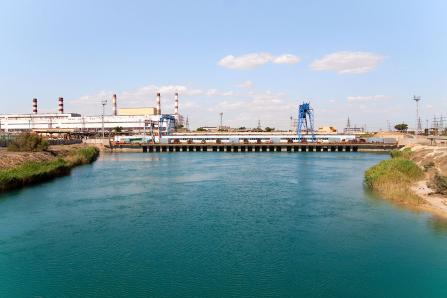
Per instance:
{"type": "Point", "coordinates": [367, 98]}
{"type": "Point", "coordinates": [202, 105]}
{"type": "Point", "coordinates": [246, 84]}
{"type": "Point", "coordinates": [348, 62]}
{"type": "Point", "coordinates": [144, 95]}
{"type": "Point", "coordinates": [286, 59]}
{"type": "Point", "coordinates": [256, 59]}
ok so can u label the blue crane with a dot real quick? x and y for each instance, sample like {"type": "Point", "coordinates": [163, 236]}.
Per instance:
{"type": "Point", "coordinates": [305, 121]}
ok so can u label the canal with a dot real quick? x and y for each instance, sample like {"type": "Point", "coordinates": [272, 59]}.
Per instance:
{"type": "Point", "coordinates": [211, 224]}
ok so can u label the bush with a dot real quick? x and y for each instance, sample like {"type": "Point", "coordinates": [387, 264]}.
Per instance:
{"type": "Point", "coordinates": [28, 142]}
{"type": "Point", "coordinates": [82, 156]}
{"type": "Point", "coordinates": [429, 165]}
{"type": "Point", "coordinates": [406, 153]}
{"type": "Point", "coordinates": [392, 178]}
{"type": "Point", "coordinates": [439, 184]}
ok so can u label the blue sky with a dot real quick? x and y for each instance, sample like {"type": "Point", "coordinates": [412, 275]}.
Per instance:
{"type": "Point", "coordinates": [251, 60]}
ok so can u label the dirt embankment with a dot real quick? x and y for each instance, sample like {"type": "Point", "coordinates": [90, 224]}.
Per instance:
{"type": "Point", "coordinates": [433, 160]}
{"type": "Point", "coordinates": [12, 159]}
{"type": "Point", "coordinates": [20, 169]}
{"type": "Point", "coordinates": [404, 139]}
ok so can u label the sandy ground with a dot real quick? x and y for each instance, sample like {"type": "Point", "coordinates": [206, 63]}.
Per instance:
{"type": "Point", "coordinates": [434, 202]}
{"type": "Point", "coordinates": [404, 138]}
{"type": "Point", "coordinates": [437, 155]}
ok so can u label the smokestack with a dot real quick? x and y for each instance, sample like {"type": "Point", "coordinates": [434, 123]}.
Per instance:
{"type": "Point", "coordinates": [34, 105]}
{"type": "Point", "coordinates": [114, 105]}
{"type": "Point", "coordinates": [61, 105]}
{"type": "Point", "coordinates": [176, 104]}
{"type": "Point", "coordinates": [158, 104]}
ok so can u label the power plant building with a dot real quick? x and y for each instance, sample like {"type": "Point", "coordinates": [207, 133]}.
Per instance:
{"type": "Point", "coordinates": [137, 112]}
{"type": "Point", "coordinates": [129, 119]}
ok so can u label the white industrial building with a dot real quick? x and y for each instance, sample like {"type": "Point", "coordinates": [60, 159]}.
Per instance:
{"type": "Point", "coordinates": [127, 119]}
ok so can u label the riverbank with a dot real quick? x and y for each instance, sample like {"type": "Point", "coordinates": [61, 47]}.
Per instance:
{"type": "Point", "coordinates": [19, 169]}
{"type": "Point", "coordinates": [414, 177]}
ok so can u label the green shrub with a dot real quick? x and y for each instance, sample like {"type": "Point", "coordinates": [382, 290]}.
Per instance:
{"type": "Point", "coordinates": [392, 178]}
{"type": "Point", "coordinates": [28, 142]}
{"type": "Point", "coordinates": [406, 153]}
{"type": "Point", "coordinates": [82, 156]}
{"type": "Point", "coordinates": [32, 172]}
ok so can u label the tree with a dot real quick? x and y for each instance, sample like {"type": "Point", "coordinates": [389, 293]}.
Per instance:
{"type": "Point", "coordinates": [118, 129]}
{"type": "Point", "coordinates": [269, 129]}
{"type": "Point", "coordinates": [200, 129]}
{"type": "Point", "coordinates": [401, 127]}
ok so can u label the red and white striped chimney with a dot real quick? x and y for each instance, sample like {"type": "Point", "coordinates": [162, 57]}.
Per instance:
{"type": "Point", "coordinates": [176, 104]}
{"type": "Point", "coordinates": [34, 105]}
{"type": "Point", "coordinates": [158, 104]}
{"type": "Point", "coordinates": [61, 105]}
{"type": "Point", "coordinates": [114, 109]}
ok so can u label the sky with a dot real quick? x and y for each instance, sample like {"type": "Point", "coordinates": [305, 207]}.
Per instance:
{"type": "Point", "coordinates": [251, 60]}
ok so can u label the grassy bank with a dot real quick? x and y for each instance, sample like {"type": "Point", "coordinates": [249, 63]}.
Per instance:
{"type": "Point", "coordinates": [393, 178]}
{"type": "Point", "coordinates": [34, 172]}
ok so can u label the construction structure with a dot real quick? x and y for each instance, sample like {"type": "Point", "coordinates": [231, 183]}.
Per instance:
{"type": "Point", "coordinates": [130, 120]}
{"type": "Point", "coordinates": [305, 121]}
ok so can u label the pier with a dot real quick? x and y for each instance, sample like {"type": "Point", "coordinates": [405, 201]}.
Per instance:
{"type": "Point", "coordinates": [294, 147]}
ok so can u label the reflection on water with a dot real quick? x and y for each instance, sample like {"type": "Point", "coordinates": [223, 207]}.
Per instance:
{"type": "Point", "coordinates": [438, 224]}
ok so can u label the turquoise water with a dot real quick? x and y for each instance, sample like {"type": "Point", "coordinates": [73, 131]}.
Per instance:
{"type": "Point", "coordinates": [217, 225]}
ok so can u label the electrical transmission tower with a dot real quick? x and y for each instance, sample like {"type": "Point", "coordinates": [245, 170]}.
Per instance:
{"type": "Point", "coordinates": [418, 119]}
{"type": "Point", "coordinates": [305, 121]}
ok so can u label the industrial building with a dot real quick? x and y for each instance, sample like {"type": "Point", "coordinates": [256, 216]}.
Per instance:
{"type": "Point", "coordinates": [127, 119]}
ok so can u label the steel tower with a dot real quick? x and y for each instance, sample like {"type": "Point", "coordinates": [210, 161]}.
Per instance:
{"type": "Point", "coordinates": [418, 119]}
{"type": "Point", "coordinates": [305, 121]}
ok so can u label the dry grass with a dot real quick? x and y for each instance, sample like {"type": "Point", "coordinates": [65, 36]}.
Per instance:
{"type": "Point", "coordinates": [32, 171]}
{"type": "Point", "coordinates": [393, 178]}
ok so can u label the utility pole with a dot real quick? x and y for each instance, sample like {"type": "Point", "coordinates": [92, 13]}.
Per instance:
{"type": "Point", "coordinates": [104, 102]}
{"type": "Point", "coordinates": [418, 119]}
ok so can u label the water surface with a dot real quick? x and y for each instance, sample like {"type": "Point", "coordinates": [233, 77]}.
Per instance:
{"type": "Point", "coordinates": [217, 225]}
